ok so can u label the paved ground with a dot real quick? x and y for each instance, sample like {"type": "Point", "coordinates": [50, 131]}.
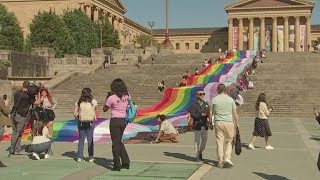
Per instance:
{"type": "Point", "coordinates": [296, 142]}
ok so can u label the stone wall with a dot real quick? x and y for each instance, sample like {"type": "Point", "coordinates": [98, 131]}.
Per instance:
{"type": "Point", "coordinates": [6, 88]}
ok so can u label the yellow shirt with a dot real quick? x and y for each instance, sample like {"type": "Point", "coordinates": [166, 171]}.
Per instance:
{"type": "Point", "coordinates": [263, 111]}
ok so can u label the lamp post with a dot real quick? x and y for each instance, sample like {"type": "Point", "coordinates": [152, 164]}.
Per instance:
{"type": "Point", "coordinates": [125, 33]}
{"type": "Point", "coordinates": [100, 23]}
{"type": "Point", "coordinates": [167, 46]}
{"type": "Point", "coordinates": [151, 24]}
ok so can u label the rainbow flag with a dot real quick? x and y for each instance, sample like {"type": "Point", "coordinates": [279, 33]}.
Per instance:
{"type": "Point", "coordinates": [174, 104]}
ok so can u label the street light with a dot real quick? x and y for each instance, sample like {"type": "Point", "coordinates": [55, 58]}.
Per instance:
{"type": "Point", "coordinates": [100, 23]}
{"type": "Point", "coordinates": [151, 24]}
{"type": "Point", "coordinates": [125, 33]}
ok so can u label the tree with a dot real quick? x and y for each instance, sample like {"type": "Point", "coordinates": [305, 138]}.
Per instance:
{"type": "Point", "coordinates": [145, 40]}
{"type": "Point", "coordinates": [48, 30]}
{"type": "Point", "coordinates": [82, 30]}
{"type": "Point", "coordinates": [110, 37]}
{"type": "Point", "coordinates": [11, 36]}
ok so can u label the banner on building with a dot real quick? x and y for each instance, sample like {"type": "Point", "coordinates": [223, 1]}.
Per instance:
{"type": "Point", "coordinates": [235, 38]}
{"type": "Point", "coordinates": [245, 38]}
{"type": "Point", "coordinates": [291, 38]}
{"type": "Point", "coordinates": [280, 39]}
{"type": "Point", "coordinates": [303, 37]}
{"type": "Point", "coordinates": [268, 38]}
{"type": "Point", "coordinates": [256, 38]}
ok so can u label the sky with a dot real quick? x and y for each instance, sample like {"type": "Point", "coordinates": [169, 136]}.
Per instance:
{"type": "Point", "coordinates": [186, 13]}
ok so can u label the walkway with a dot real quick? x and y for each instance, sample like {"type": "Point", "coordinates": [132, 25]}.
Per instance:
{"type": "Point", "coordinates": [296, 142]}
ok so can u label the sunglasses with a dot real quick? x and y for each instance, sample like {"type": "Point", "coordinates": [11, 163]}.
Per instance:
{"type": "Point", "coordinates": [201, 94]}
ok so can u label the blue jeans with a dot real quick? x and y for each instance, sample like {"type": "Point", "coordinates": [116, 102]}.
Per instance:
{"type": "Point", "coordinates": [40, 148]}
{"type": "Point", "coordinates": [1, 132]}
{"type": "Point", "coordinates": [85, 130]}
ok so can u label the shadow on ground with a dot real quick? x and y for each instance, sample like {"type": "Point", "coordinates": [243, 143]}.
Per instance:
{"type": "Point", "coordinates": [2, 165]}
{"type": "Point", "coordinates": [180, 156]}
{"type": "Point", "coordinates": [270, 177]}
{"type": "Point", "coordinates": [103, 162]}
{"type": "Point", "coordinates": [315, 138]}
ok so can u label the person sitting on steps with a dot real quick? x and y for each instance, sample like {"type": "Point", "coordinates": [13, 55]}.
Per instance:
{"type": "Point", "coordinates": [167, 132]}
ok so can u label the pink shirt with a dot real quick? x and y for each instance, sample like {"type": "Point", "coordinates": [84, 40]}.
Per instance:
{"type": "Point", "coordinates": [118, 106]}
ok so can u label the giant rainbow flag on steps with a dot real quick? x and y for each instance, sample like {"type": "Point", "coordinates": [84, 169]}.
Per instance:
{"type": "Point", "coordinates": [174, 103]}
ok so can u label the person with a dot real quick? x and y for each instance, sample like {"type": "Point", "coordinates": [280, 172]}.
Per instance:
{"type": "Point", "coordinates": [250, 84]}
{"type": "Point", "coordinates": [21, 105]}
{"type": "Point", "coordinates": [197, 72]}
{"type": "Point", "coordinates": [317, 115]}
{"type": "Point", "coordinates": [84, 112]}
{"type": "Point", "coordinates": [161, 86]}
{"type": "Point", "coordinates": [220, 50]}
{"type": "Point", "coordinates": [167, 132]}
{"type": "Point", "coordinates": [187, 73]}
{"type": "Point", "coordinates": [206, 63]}
{"type": "Point", "coordinates": [200, 113]}
{"type": "Point", "coordinates": [47, 103]}
{"type": "Point", "coordinates": [261, 123]}
{"type": "Point", "coordinates": [235, 91]}
{"type": "Point", "coordinates": [4, 117]}
{"type": "Point", "coordinates": [106, 61]}
{"type": "Point", "coordinates": [139, 60]}
{"type": "Point", "coordinates": [153, 58]}
{"type": "Point", "coordinates": [226, 118]}
{"type": "Point", "coordinates": [118, 102]}
{"type": "Point", "coordinates": [5, 99]}
{"type": "Point", "coordinates": [41, 142]}
{"type": "Point", "coordinates": [239, 100]}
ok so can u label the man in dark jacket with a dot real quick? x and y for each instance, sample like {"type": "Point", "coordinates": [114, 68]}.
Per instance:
{"type": "Point", "coordinates": [200, 113]}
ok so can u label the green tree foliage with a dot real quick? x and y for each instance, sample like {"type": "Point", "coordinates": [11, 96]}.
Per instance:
{"type": "Point", "coordinates": [11, 37]}
{"type": "Point", "coordinates": [82, 30]}
{"type": "Point", "coordinates": [110, 37]}
{"type": "Point", "coordinates": [145, 40]}
{"type": "Point", "coordinates": [48, 30]}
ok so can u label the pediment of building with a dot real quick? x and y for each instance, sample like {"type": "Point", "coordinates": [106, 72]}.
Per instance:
{"type": "Point", "coordinates": [249, 4]}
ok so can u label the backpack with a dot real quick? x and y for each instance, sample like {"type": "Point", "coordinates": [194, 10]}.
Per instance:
{"type": "Point", "coordinates": [86, 112]}
{"type": "Point", "coordinates": [131, 112]}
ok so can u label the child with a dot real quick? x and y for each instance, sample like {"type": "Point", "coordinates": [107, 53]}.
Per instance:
{"type": "Point", "coordinates": [167, 132]}
{"type": "Point", "coordinates": [41, 142]}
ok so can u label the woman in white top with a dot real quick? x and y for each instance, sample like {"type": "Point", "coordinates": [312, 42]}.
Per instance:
{"type": "Point", "coordinates": [261, 124]}
{"type": "Point", "coordinates": [47, 103]}
{"type": "Point", "coordinates": [41, 142]}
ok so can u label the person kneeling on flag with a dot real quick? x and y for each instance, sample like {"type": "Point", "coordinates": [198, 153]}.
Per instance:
{"type": "Point", "coordinates": [167, 132]}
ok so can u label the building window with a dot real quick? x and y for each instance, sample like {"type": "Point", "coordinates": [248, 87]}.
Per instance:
{"type": "Point", "coordinates": [197, 46]}
{"type": "Point", "coordinates": [216, 45]}
{"type": "Point", "coordinates": [206, 46]}
{"type": "Point", "coordinates": [177, 46]}
{"type": "Point", "coordinates": [187, 46]}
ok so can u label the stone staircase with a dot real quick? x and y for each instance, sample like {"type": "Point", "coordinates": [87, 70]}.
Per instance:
{"type": "Point", "coordinates": [142, 82]}
{"type": "Point", "coordinates": [290, 81]}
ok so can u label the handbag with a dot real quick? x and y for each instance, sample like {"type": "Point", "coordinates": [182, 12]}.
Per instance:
{"type": "Point", "coordinates": [237, 147]}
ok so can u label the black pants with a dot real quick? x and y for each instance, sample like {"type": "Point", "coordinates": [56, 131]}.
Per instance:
{"type": "Point", "coordinates": [117, 126]}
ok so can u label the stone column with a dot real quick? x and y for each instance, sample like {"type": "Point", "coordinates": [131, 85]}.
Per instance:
{"type": "Point", "coordinates": [230, 34]}
{"type": "Point", "coordinates": [274, 34]}
{"type": "Point", "coordinates": [297, 41]}
{"type": "Point", "coordinates": [251, 34]}
{"type": "Point", "coordinates": [262, 32]}
{"type": "Point", "coordinates": [88, 10]}
{"type": "Point", "coordinates": [110, 17]}
{"type": "Point", "coordinates": [240, 35]}
{"type": "Point", "coordinates": [116, 23]}
{"type": "Point", "coordinates": [308, 29]}
{"type": "Point", "coordinates": [286, 34]}
{"type": "Point", "coordinates": [96, 14]}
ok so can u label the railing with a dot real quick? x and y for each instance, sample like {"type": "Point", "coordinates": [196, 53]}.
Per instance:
{"type": "Point", "coordinates": [129, 51]}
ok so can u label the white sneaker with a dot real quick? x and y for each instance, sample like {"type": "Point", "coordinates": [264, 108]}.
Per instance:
{"type": "Point", "coordinates": [251, 146]}
{"type": "Point", "coordinates": [35, 155]}
{"type": "Point", "coordinates": [228, 163]}
{"type": "Point", "coordinates": [46, 156]}
{"type": "Point", "coordinates": [79, 159]}
{"type": "Point", "coordinates": [91, 159]}
{"type": "Point", "coordinates": [269, 147]}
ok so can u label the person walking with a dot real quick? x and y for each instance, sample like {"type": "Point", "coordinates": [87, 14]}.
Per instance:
{"type": "Point", "coordinates": [261, 123]}
{"type": "Point", "coordinates": [226, 118]}
{"type": "Point", "coordinates": [200, 113]}
{"type": "Point", "coordinates": [4, 117]}
{"type": "Point", "coordinates": [118, 102]}
{"type": "Point", "coordinates": [84, 112]}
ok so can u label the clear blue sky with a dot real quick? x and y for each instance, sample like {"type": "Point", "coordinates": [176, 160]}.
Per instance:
{"type": "Point", "coordinates": [186, 13]}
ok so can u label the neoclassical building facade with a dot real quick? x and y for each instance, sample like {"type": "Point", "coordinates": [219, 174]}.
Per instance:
{"type": "Point", "coordinates": [274, 25]}
{"type": "Point", "coordinates": [112, 10]}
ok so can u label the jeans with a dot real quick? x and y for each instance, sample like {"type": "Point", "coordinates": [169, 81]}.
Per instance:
{"type": "Point", "coordinates": [200, 140]}
{"type": "Point", "coordinates": [1, 132]}
{"type": "Point", "coordinates": [40, 148]}
{"type": "Point", "coordinates": [117, 127]}
{"type": "Point", "coordinates": [17, 129]}
{"type": "Point", "coordinates": [224, 132]}
{"type": "Point", "coordinates": [85, 130]}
